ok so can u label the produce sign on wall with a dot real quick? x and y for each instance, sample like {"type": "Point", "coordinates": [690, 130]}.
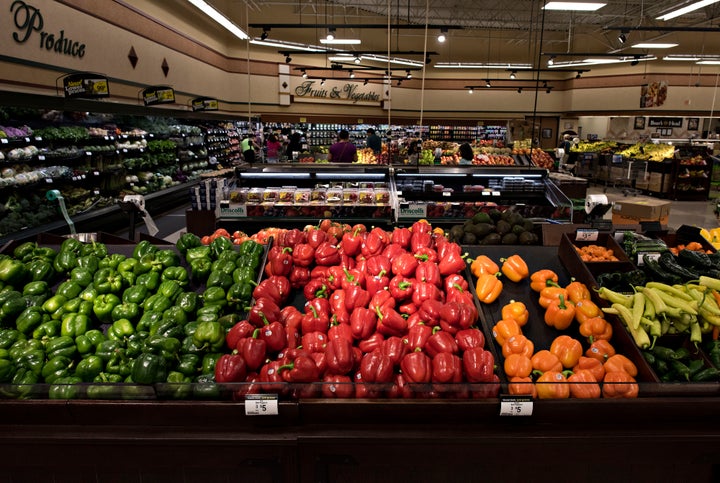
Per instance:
{"type": "Point", "coordinates": [653, 94]}
{"type": "Point", "coordinates": [347, 92]}
{"type": "Point", "coordinates": [86, 85]}
{"type": "Point", "coordinates": [158, 95]}
{"type": "Point", "coordinates": [29, 24]}
{"type": "Point", "coordinates": [665, 122]}
{"type": "Point", "coordinates": [204, 104]}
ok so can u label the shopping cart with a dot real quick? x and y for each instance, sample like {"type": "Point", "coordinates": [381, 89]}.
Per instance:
{"type": "Point", "coordinates": [625, 172]}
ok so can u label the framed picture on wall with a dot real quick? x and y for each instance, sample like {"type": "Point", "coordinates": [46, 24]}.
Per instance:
{"type": "Point", "coordinates": [693, 123]}
{"type": "Point", "coordinates": [547, 133]}
{"type": "Point", "coordinates": [639, 123]}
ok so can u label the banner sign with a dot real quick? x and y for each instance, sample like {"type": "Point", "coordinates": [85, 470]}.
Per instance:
{"type": "Point", "coordinates": [204, 104]}
{"type": "Point", "coordinates": [346, 92]}
{"type": "Point", "coordinates": [85, 85]}
{"type": "Point", "coordinates": [158, 95]}
{"type": "Point", "coordinates": [653, 94]}
{"type": "Point", "coordinates": [665, 122]}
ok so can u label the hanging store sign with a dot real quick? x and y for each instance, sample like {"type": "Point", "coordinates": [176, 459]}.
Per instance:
{"type": "Point", "coordinates": [158, 95]}
{"type": "Point", "coordinates": [30, 26]}
{"type": "Point", "coordinates": [344, 92]}
{"type": "Point", "coordinates": [653, 94]}
{"type": "Point", "coordinates": [85, 85]}
{"type": "Point", "coordinates": [204, 104]}
{"type": "Point", "coordinates": [665, 122]}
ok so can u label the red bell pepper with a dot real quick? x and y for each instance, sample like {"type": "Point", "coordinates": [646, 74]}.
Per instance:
{"type": "Point", "coordinates": [458, 315]}
{"type": "Point", "coordinates": [291, 318]}
{"type": "Point", "coordinates": [421, 226]}
{"type": "Point", "coordinates": [314, 342]}
{"type": "Point", "coordinates": [417, 367]}
{"type": "Point", "coordinates": [429, 311]}
{"type": "Point", "coordinates": [426, 254]}
{"type": "Point", "coordinates": [301, 369]}
{"type": "Point", "coordinates": [405, 265]}
{"type": "Point", "coordinates": [440, 341]}
{"type": "Point", "coordinates": [327, 254]}
{"type": "Point", "coordinates": [445, 246]}
{"type": "Point", "coordinates": [390, 322]}
{"type": "Point", "coordinates": [426, 291]}
{"type": "Point", "coordinates": [317, 316]}
{"type": "Point", "coordinates": [377, 283]}
{"type": "Point", "coordinates": [281, 263]}
{"type": "Point", "coordinates": [337, 386]}
{"type": "Point", "coordinates": [415, 319]}
{"type": "Point", "coordinates": [357, 358]}
{"type": "Point", "coordinates": [251, 385]}
{"type": "Point", "coordinates": [376, 367]}
{"type": "Point", "coordinates": [420, 240]}
{"type": "Point", "coordinates": [360, 263]}
{"type": "Point", "coordinates": [335, 277]}
{"type": "Point", "coordinates": [381, 299]}
{"type": "Point", "coordinates": [314, 288]}
{"type": "Point", "coordinates": [378, 264]}
{"type": "Point", "coordinates": [303, 255]}
{"type": "Point", "coordinates": [320, 272]}
{"type": "Point", "coordinates": [315, 237]}
{"type": "Point", "coordinates": [230, 368]}
{"type": "Point", "coordinates": [290, 238]}
{"type": "Point", "coordinates": [455, 281]}
{"type": "Point", "coordinates": [371, 343]}
{"type": "Point", "coordinates": [339, 356]}
{"type": "Point", "coordinates": [401, 236]}
{"type": "Point", "coordinates": [470, 338]}
{"type": "Point", "coordinates": [447, 368]}
{"type": "Point", "coordinates": [487, 390]}
{"type": "Point", "coordinates": [417, 336]}
{"type": "Point", "coordinates": [351, 242]}
{"type": "Point", "coordinates": [356, 296]}
{"type": "Point", "coordinates": [253, 350]}
{"type": "Point", "coordinates": [363, 322]}
{"type": "Point", "coordinates": [299, 277]}
{"type": "Point", "coordinates": [320, 359]}
{"type": "Point", "coordinates": [238, 331]}
{"type": "Point", "coordinates": [274, 336]}
{"type": "Point", "coordinates": [429, 272]}
{"type": "Point", "coordinates": [395, 348]}
{"type": "Point", "coordinates": [400, 388]}
{"type": "Point", "coordinates": [408, 308]}
{"type": "Point", "coordinates": [450, 263]}
{"type": "Point", "coordinates": [401, 288]}
{"type": "Point", "coordinates": [340, 314]}
{"type": "Point", "coordinates": [353, 277]}
{"type": "Point", "coordinates": [271, 380]}
{"type": "Point", "coordinates": [458, 295]}
{"type": "Point", "coordinates": [339, 330]}
{"type": "Point", "coordinates": [373, 244]}
{"type": "Point", "coordinates": [263, 310]}
{"type": "Point", "coordinates": [478, 365]}
{"type": "Point", "coordinates": [393, 251]}
{"type": "Point", "coordinates": [346, 261]}
{"type": "Point", "coordinates": [275, 287]}
{"type": "Point", "coordinates": [365, 391]}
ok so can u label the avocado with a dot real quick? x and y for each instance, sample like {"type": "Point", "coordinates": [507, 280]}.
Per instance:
{"type": "Point", "coordinates": [492, 239]}
{"type": "Point", "coordinates": [468, 239]}
{"type": "Point", "coordinates": [509, 239]}
{"type": "Point", "coordinates": [515, 218]}
{"type": "Point", "coordinates": [483, 229]}
{"type": "Point", "coordinates": [456, 232]}
{"type": "Point", "coordinates": [467, 224]}
{"type": "Point", "coordinates": [502, 227]}
{"type": "Point", "coordinates": [528, 225]}
{"type": "Point", "coordinates": [518, 230]}
{"type": "Point", "coordinates": [495, 214]}
{"type": "Point", "coordinates": [528, 238]}
{"type": "Point", "coordinates": [481, 218]}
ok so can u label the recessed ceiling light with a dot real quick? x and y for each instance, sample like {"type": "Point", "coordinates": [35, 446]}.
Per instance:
{"type": "Point", "coordinates": [580, 6]}
{"type": "Point", "coordinates": [220, 18]}
{"type": "Point", "coordinates": [709, 62]}
{"type": "Point", "coordinates": [340, 41]}
{"type": "Point", "coordinates": [687, 9]}
{"type": "Point", "coordinates": [653, 45]}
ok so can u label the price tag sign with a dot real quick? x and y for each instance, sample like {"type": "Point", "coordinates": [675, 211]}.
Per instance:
{"type": "Point", "coordinates": [652, 256]}
{"type": "Point", "coordinates": [107, 138]}
{"type": "Point", "coordinates": [27, 140]}
{"type": "Point", "coordinates": [516, 405]}
{"type": "Point", "coordinates": [586, 235]}
{"type": "Point", "coordinates": [3, 141]}
{"type": "Point", "coordinates": [38, 138]}
{"type": "Point", "coordinates": [48, 180]}
{"type": "Point", "coordinates": [261, 405]}
{"type": "Point", "coordinates": [96, 192]}
{"type": "Point", "coordinates": [486, 193]}
{"type": "Point", "coordinates": [96, 173]}
{"type": "Point", "coordinates": [496, 193]}
{"type": "Point", "coordinates": [88, 153]}
{"type": "Point", "coordinates": [447, 194]}
{"type": "Point", "coordinates": [124, 150]}
{"type": "Point", "coordinates": [41, 158]}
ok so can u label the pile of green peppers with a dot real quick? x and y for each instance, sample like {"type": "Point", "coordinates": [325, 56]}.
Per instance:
{"type": "Point", "coordinates": [681, 364]}
{"type": "Point", "coordinates": [79, 322]}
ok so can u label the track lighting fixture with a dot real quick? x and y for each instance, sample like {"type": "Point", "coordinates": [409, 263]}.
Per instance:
{"type": "Point", "coordinates": [427, 60]}
{"type": "Point", "coordinates": [470, 90]}
{"type": "Point", "coordinates": [304, 74]}
{"type": "Point", "coordinates": [264, 34]}
{"type": "Point", "coordinates": [487, 83]}
{"type": "Point", "coordinates": [545, 84]}
{"type": "Point", "coordinates": [442, 37]}
{"type": "Point", "coordinates": [519, 90]}
{"type": "Point", "coordinates": [352, 74]}
{"type": "Point", "coordinates": [331, 34]}
{"type": "Point", "coordinates": [622, 38]}
{"type": "Point", "coordinates": [547, 90]}
{"type": "Point", "coordinates": [513, 74]}
{"type": "Point", "coordinates": [408, 75]}
{"type": "Point", "coordinates": [357, 60]}
{"type": "Point", "coordinates": [365, 82]}
{"type": "Point", "coordinates": [551, 60]}
{"type": "Point", "coordinates": [399, 82]}
{"type": "Point", "coordinates": [322, 81]}
{"type": "Point", "coordinates": [635, 61]}
{"type": "Point", "coordinates": [579, 74]}
{"type": "Point", "coordinates": [288, 59]}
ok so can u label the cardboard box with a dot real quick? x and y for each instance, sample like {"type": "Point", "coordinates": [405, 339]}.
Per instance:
{"type": "Point", "coordinates": [659, 183]}
{"type": "Point", "coordinates": [632, 210]}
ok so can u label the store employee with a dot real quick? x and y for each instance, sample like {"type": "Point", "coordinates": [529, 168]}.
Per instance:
{"type": "Point", "coordinates": [343, 151]}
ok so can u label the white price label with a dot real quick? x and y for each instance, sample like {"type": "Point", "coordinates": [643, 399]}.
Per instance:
{"type": "Point", "coordinates": [486, 193]}
{"type": "Point", "coordinates": [261, 405]}
{"type": "Point", "coordinates": [48, 180]}
{"type": "Point", "coordinates": [96, 173]}
{"type": "Point", "coordinates": [516, 405]}
{"type": "Point", "coordinates": [3, 140]}
{"type": "Point", "coordinates": [496, 193]}
{"type": "Point", "coordinates": [107, 138]}
{"type": "Point", "coordinates": [652, 256]}
{"type": "Point", "coordinates": [124, 150]}
{"type": "Point", "coordinates": [82, 176]}
{"type": "Point", "coordinates": [41, 158]}
{"type": "Point", "coordinates": [96, 192]}
{"type": "Point", "coordinates": [88, 153]}
{"type": "Point", "coordinates": [447, 194]}
{"type": "Point", "coordinates": [27, 140]}
{"type": "Point", "coordinates": [586, 235]}
{"type": "Point", "coordinates": [38, 138]}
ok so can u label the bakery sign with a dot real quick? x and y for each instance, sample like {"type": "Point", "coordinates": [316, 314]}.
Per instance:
{"type": "Point", "coordinates": [345, 92]}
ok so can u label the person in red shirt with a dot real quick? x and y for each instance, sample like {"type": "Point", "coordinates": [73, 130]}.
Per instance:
{"type": "Point", "coordinates": [273, 148]}
{"type": "Point", "coordinates": [343, 151]}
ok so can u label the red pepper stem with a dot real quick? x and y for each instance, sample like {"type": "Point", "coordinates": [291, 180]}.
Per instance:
{"type": "Point", "coordinates": [348, 276]}
{"type": "Point", "coordinates": [377, 311]}
{"type": "Point", "coordinates": [404, 285]}
{"type": "Point", "coordinates": [436, 329]}
{"type": "Point", "coordinates": [458, 287]}
{"type": "Point", "coordinates": [287, 250]}
{"type": "Point", "coordinates": [314, 312]}
{"type": "Point", "coordinates": [289, 366]}
{"type": "Point", "coordinates": [264, 319]}
{"type": "Point", "coordinates": [256, 332]}
{"type": "Point", "coordinates": [423, 257]}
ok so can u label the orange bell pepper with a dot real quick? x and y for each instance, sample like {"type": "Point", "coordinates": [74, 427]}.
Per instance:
{"type": "Point", "coordinates": [517, 365]}
{"type": "Point", "coordinates": [549, 294]}
{"type": "Point", "coordinates": [515, 310]}
{"type": "Point", "coordinates": [560, 314]}
{"type": "Point", "coordinates": [595, 328]}
{"type": "Point", "coordinates": [504, 329]}
{"type": "Point", "coordinates": [518, 344]}
{"type": "Point", "coordinates": [585, 309]}
{"type": "Point", "coordinates": [544, 361]}
{"type": "Point", "coordinates": [577, 291]}
{"type": "Point", "coordinates": [601, 350]}
{"type": "Point", "coordinates": [619, 384]}
{"type": "Point", "coordinates": [483, 264]}
{"type": "Point", "coordinates": [592, 365]}
{"type": "Point", "coordinates": [515, 268]}
{"type": "Point", "coordinates": [522, 385]}
{"type": "Point", "coordinates": [567, 350]}
{"type": "Point", "coordinates": [488, 288]}
{"type": "Point", "coordinates": [583, 385]}
{"type": "Point", "coordinates": [619, 362]}
{"type": "Point", "coordinates": [538, 280]}
{"type": "Point", "coordinates": [552, 385]}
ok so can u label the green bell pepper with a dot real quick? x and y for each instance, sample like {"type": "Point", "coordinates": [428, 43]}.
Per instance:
{"type": "Point", "coordinates": [147, 320]}
{"type": "Point", "coordinates": [128, 265]}
{"type": "Point", "coordinates": [126, 310]}
{"type": "Point", "coordinates": [200, 269]}
{"type": "Point", "coordinates": [119, 364]}
{"type": "Point", "coordinates": [111, 261]}
{"type": "Point", "coordinates": [74, 325]}
{"type": "Point", "coordinates": [209, 361]}
{"type": "Point", "coordinates": [170, 289]}
{"type": "Point", "coordinates": [199, 252]}
{"type": "Point", "coordinates": [69, 289]}
{"type": "Point", "coordinates": [187, 241]}
{"type": "Point", "coordinates": [228, 320]}
{"type": "Point", "coordinates": [89, 262]}
{"type": "Point", "coordinates": [189, 365]}
{"type": "Point", "coordinates": [89, 294]}
{"type": "Point", "coordinates": [149, 368]}
{"type": "Point", "coordinates": [226, 266]}
{"type": "Point", "coordinates": [219, 245]}
{"type": "Point", "coordinates": [214, 296]}
{"type": "Point", "coordinates": [66, 387]}
{"type": "Point", "coordinates": [103, 306]}
{"type": "Point", "coordinates": [150, 280]}
{"type": "Point", "coordinates": [219, 279]}
{"type": "Point", "coordinates": [209, 313]}
{"type": "Point", "coordinates": [108, 280]}
{"type": "Point", "coordinates": [24, 384]}
{"type": "Point", "coordinates": [89, 368]}
{"type": "Point", "coordinates": [167, 347]}
{"type": "Point", "coordinates": [37, 287]}
{"type": "Point", "coordinates": [109, 349]}
{"type": "Point", "coordinates": [72, 245]}
{"type": "Point", "coordinates": [251, 247]}
{"type": "Point", "coordinates": [61, 346]}
{"type": "Point", "coordinates": [144, 247]}
{"type": "Point", "coordinates": [248, 260]}
{"type": "Point", "coordinates": [22, 345]}
{"type": "Point", "coordinates": [239, 295]}
{"type": "Point", "coordinates": [135, 294]}
{"type": "Point", "coordinates": [177, 274]}
{"type": "Point", "coordinates": [41, 270]}
{"type": "Point", "coordinates": [24, 251]}
{"type": "Point", "coordinates": [190, 328]}
{"type": "Point", "coordinates": [81, 276]}
{"type": "Point", "coordinates": [7, 370]}
{"type": "Point", "coordinates": [30, 319]}
{"type": "Point", "coordinates": [177, 386]}
{"type": "Point", "coordinates": [47, 330]}
{"type": "Point", "coordinates": [54, 303]}
{"type": "Point", "coordinates": [189, 347]}
{"type": "Point", "coordinates": [44, 253]}
{"type": "Point", "coordinates": [9, 336]}
{"type": "Point", "coordinates": [13, 272]}
{"type": "Point", "coordinates": [120, 329]}
{"type": "Point", "coordinates": [244, 275]}
{"type": "Point", "coordinates": [32, 360]}
{"type": "Point", "coordinates": [188, 302]}
{"type": "Point", "coordinates": [229, 255]}
{"type": "Point", "coordinates": [135, 344]}
{"type": "Point", "coordinates": [78, 306]}
{"type": "Point", "coordinates": [205, 387]}
{"type": "Point", "coordinates": [13, 307]}
{"type": "Point", "coordinates": [65, 261]}
{"type": "Point", "coordinates": [107, 378]}
{"type": "Point", "coordinates": [209, 335]}
{"type": "Point", "coordinates": [94, 248]}
{"type": "Point", "coordinates": [55, 368]}
{"type": "Point", "coordinates": [105, 386]}
{"type": "Point", "coordinates": [168, 258]}
{"type": "Point", "coordinates": [149, 263]}
{"type": "Point", "coordinates": [157, 303]}
{"type": "Point", "coordinates": [175, 314]}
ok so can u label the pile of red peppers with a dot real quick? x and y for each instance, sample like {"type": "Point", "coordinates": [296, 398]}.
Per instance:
{"type": "Point", "coordinates": [386, 314]}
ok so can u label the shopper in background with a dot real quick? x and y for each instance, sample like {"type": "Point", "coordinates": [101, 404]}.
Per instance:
{"type": "Point", "coordinates": [273, 148]}
{"type": "Point", "coordinates": [414, 150]}
{"type": "Point", "coordinates": [343, 151]}
{"type": "Point", "coordinates": [565, 145]}
{"type": "Point", "coordinates": [294, 145]}
{"type": "Point", "coordinates": [466, 154]}
{"type": "Point", "coordinates": [249, 146]}
{"type": "Point", "coordinates": [373, 141]}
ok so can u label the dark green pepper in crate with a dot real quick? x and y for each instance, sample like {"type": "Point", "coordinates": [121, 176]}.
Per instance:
{"type": "Point", "coordinates": [170, 289]}
{"type": "Point", "coordinates": [88, 342]}
{"type": "Point", "coordinates": [41, 270]}
{"type": "Point", "coordinates": [239, 295]}
{"type": "Point", "coordinates": [103, 306]}
{"type": "Point", "coordinates": [147, 319]}
{"type": "Point", "coordinates": [47, 330]}
{"type": "Point", "coordinates": [89, 294]}
{"type": "Point", "coordinates": [7, 370]}
{"type": "Point", "coordinates": [190, 328]}
{"type": "Point", "coordinates": [226, 266]}
{"type": "Point", "coordinates": [94, 248]}
{"type": "Point", "coordinates": [244, 275]}
{"type": "Point", "coordinates": [167, 347]}
{"type": "Point", "coordinates": [111, 261]}
{"type": "Point", "coordinates": [65, 261]}
{"type": "Point", "coordinates": [209, 361]}
{"type": "Point", "coordinates": [200, 269]}
{"type": "Point", "coordinates": [61, 346]}
{"type": "Point", "coordinates": [38, 287]}
{"type": "Point", "coordinates": [69, 289]}
{"type": "Point", "coordinates": [55, 368]}
{"type": "Point", "coordinates": [211, 312]}
{"type": "Point", "coordinates": [109, 349]}
{"type": "Point", "coordinates": [120, 329]}
{"type": "Point", "coordinates": [108, 280]}
{"type": "Point", "coordinates": [129, 265]}
{"type": "Point", "coordinates": [74, 325]}
{"type": "Point", "coordinates": [177, 274]}
{"type": "Point", "coordinates": [148, 369]}
{"type": "Point", "coordinates": [9, 336]}
{"type": "Point", "coordinates": [197, 253]}
{"type": "Point", "coordinates": [30, 319]}
{"type": "Point", "coordinates": [189, 365]}
{"type": "Point", "coordinates": [89, 368]}
{"type": "Point", "coordinates": [89, 262]}
{"type": "Point", "coordinates": [24, 383]}
{"type": "Point", "coordinates": [214, 296]}
{"type": "Point", "coordinates": [187, 241]}
{"type": "Point", "coordinates": [251, 247]}
{"type": "Point", "coordinates": [13, 307]}
{"type": "Point", "coordinates": [149, 280]}
{"type": "Point", "coordinates": [149, 263]}
{"type": "Point", "coordinates": [229, 255]}
{"type": "Point", "coordinates": [205, 387]}
{"type": "Point", "coordinates": [157, 303]}
{"type": "Point", "coordinates": [135, 344]}
{"type": "Point", "coordinates": [219, 245]}
{"type": "Point", "coordinates": [176, 314]}
{"type": "Point", "coordinates": [125, 310]}
{"type": "Point", "coordinates": [188, 302]}
{"type": "Point", "coordinates": [13, 272]}
{"type": "Point", "coordinates": [135, 294]}
{"type": "Point", "coordinates": [24, 251]}
{"type": "Point", "coordinates": [66, 387]}
{"type": "Point", "coordinates": [209, 335]}
{"type": "Point", "coordinates": [176, 386]}
{"type": "Point", "coordinates": [219, 279]}
{"type": "Point", "coordinates": [189, 347]}
{"type": "Point", "coordinates": [168, 258]}
{"type": "Point", "coordinates": [142, 248]}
